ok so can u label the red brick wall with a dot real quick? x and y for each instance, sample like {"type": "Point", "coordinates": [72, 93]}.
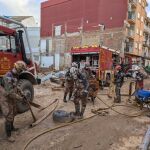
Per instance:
{"type": "Point", "coordinates": [75, 13]}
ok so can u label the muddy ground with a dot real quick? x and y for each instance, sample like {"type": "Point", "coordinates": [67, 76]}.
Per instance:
{"type": "Point", "coordinates": [110, 132]}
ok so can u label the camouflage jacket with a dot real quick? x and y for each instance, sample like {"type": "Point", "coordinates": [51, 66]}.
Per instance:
{"type": "Point", "coordinates": [9, 82]}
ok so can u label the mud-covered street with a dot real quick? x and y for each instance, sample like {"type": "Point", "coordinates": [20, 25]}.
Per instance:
{"type": "Point", "coordinates": [110, 131]}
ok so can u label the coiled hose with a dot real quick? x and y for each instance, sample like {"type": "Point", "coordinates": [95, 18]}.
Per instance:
{"type": "Point", "coordinates": [81, 120]}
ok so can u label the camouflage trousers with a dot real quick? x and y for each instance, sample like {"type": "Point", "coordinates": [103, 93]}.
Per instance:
{"type": "Point", "coordinates": [93, 89]}
{"type": "Point", "coordinates": [8, 107]}
{"type": "Point", "coordinates": [111, 90]}
{"type": "Point", "coordinates": [68, 90]}
{"type": "Point", "coordinates": [118, 92]}
{"type": "Point", "coordinates": [80, 102]}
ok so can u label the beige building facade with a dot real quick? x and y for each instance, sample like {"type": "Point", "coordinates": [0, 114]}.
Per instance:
{"type": "Point", "coordinates": [135, 30]}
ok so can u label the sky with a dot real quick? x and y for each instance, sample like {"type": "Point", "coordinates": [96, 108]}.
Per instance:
{"type": "Point", "coordinates": [28, 8]}
{"type": "Point", "coordinates": [21, 8]}
{"type": "Point", "coordinates": [148, 8]}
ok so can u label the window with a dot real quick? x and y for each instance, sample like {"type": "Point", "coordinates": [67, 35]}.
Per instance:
{"type": "Point", "coordinates": [4, 43]}
{"type": "Point", "coordinates": [140, 46]}
{"type": "Point", "coordinates": [141, 33]}
{"type": "Point", "coordinates": [137, 31]}
{"type": "Point", "coordinates": [136, 45]}
{"type": "Point", "coordinates": [36, 57]}
{"type": "Point", "coordinates": [142, 19]}
{"type": "Point", "coordinates": [58, 30]}
{"type": "Point", "coordinates": [138, 15]}
{"type": "Point", "coordinates": [143, 4]}
{"type": "Point", "coordinates": [7, 43]}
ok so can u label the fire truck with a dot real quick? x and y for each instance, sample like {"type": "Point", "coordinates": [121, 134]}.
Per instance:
{"type": "Point", "coordinates": [13, 36]}
{"type": "Point", "coordinates": [100, 60]}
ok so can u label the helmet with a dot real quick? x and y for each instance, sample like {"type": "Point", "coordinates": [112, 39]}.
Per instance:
{"type": "Point", "coordinates": [74, 64]}
{"type": "Point", "coordinates": [118, 67]}
{"type": "Point", "coordinates": [20, 66]}
{"type": "Point", "coordinates": [74, 72]}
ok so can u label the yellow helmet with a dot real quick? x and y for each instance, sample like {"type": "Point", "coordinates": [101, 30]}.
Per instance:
{"type": "Point", "coordinates": [20, 66]}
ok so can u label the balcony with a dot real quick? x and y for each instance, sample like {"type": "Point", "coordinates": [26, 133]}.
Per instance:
{"type": "Point", "coordinates": [129, 48]}
{"type": "Point", "coordinates": [131, 34]}
{"type": "Point", "coordinates": [131, 17]}
{"type": "Point", "coordinates": [146, 43]}
{"type": "Point", "coordinates": [133, 3]}
{"type": "Point", "coordinates": [146, 29]}
{"type": "Point", "coordinates": [146, 54]}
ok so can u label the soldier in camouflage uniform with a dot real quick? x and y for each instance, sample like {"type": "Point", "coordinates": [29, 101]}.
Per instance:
{"type": "Point", "coordinates": [87, 71]}
{"type": "Point", "coordinates": [93, 83]}
{"type": "Point", "coordinates": [119, 79]}
{"type": "Point", "coordinates": [80, 92]}
{"type": "Point", "coordinates": [9, 97]}
{"type": "Point", "coordinates": [69, 85]}
{"type": "Point", "coordinates": [69, 81]}
{"type": "Point", "coordinates": [93, 89]}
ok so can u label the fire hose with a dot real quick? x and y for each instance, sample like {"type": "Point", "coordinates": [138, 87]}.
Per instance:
{"type": "Point", "coordinates": [36, 122]}
{"type": "Point", "coordinates": [46, 115]}
{"type": "Point", "coordinates": [112, 108]}
{"type": "Point", "coordinates": [81, 120]}
{"type": "Point", "coordinates": [26, 101]}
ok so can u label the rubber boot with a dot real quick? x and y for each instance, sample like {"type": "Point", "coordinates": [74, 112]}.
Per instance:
{"type": "Point", "coordinates": [8, 132]}
{"type": "Point", "coordinates": [82, 112]}
{"type": "Point", "coordinates": [65, 95]}
{"type": "Point", "coordinates": [93, 100]}
{"type": "Point", "coordinates": [13, 128]}
{"type": "Point", "coordinates": [117, 100]}
{"type": "Point", "coordinates": [77, 110]}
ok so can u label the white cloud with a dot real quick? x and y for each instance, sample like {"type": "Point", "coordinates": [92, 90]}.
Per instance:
{"type": "Point", "coordinates": [21, 8]}
{"type": "Point", "coordinates": [28, 8]}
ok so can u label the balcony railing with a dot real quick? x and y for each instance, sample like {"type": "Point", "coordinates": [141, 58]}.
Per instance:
{"type": "Point", "coordinates": [146, 43]}
{"type": "Point", "coordinates": [131, 33]}
{"type": "Point", "coordinates": [131, 15]}
{"type": "Point", "coordinates": [129, 49]}
{"type": "Point", "coordinates": [146, 28]}
{"type": "Point", "coordinates": [146, 53]}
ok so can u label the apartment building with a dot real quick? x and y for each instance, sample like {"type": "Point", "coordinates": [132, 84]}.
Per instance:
{"type": "Point", "coordinates": [135, 30]}
{"type": "Point", "coordinates": [146, 43]}
{"type": "Point", "coordinates": [76, 23]}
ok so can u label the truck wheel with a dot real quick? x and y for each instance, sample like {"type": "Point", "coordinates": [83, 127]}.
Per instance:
{"type": "Point", "coordinates": [28, 90]}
